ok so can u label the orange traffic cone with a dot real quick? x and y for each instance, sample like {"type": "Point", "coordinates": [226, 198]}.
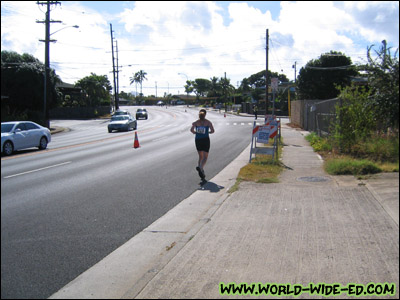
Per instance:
{"type": "Point", "coordinates": [136, 143]}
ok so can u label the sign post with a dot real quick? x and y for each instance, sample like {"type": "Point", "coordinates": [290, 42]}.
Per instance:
{"type": "Point", "coordinates": [274, 86]}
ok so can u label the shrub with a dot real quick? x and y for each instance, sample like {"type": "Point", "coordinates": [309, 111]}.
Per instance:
{"type": "Point", "coordinates": [318, 143]}
{"type": "Point", "coordinates": [351, 167]}
{"type": "Point", "coordinates": [355, 118]}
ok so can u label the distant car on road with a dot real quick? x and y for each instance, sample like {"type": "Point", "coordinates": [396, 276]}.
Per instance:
{"type": "Point", "coordinates": [122, 122]}
{"type": "Point", "coordinates": [120, 112]}
{"type": "Point", "coordinates": [141, 113]}
{"type": "Point", "coordinates": [22, 135]}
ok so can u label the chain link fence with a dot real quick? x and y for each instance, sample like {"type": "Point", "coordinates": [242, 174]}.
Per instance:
{"type": "Point", "coordinates": [315, 115]}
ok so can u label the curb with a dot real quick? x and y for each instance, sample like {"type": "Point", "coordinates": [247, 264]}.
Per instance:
{"type": "Point", "coordinates": [125, 272]}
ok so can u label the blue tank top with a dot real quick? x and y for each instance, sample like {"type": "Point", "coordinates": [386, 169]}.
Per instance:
{"type": "Point", "coordinates": [202, 132]}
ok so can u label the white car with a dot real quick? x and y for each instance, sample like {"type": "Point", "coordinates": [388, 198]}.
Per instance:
{"type": "Point", "coordinates": [23, 134]}
{"type": "Point", "coordinates": [122, 122]}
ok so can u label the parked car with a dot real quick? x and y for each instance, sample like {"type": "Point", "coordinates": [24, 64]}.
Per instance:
{"type": "Point", "coordinates": [22, 135]}
{"type": "Point", "coordinates": [122, 122]}
{"type": "Point", "coordinates": [120, 112]}
{"type": "Point", "coordinates": [141, 113]}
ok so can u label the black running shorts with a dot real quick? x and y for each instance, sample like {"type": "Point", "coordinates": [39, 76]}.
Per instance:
{"type": "Point", "coordinates": [203, 144]}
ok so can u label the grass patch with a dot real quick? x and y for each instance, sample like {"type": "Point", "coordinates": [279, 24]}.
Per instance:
{"type": "Point", "coordinates": [349, 166]}
{"type": "Point", "coordinates": [319, 144]}
{"type": "Point", "coordinates": [262, 169]}
{"type": "Point", "coordinates": [371, 156]}
{"type": "Point", "coordinates": [235, 187]}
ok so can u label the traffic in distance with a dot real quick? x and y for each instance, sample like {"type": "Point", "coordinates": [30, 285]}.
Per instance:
{"type": "Point", "coordinates": [21, 135]}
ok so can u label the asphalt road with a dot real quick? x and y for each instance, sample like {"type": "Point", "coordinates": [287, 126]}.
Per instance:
{"type": "Point", "coordinates": [66, 208]}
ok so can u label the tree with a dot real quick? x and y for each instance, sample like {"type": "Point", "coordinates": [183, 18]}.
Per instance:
{"type": "Point", "coordinates": [256, 83]}
{"type": "Point", "coordinates": [245, 86]}
{"type": "Point", "coordinates": [97, 88]}
{"type": "Point", "coordinates": [138, 77]}
{"type": "Point", "coordinates": [320, 77]}
{"type": "Point", "coordinates": [201, 86]}
{"type": "Point", "coordinates": [22, 83]}
{"type": "Point", "coordinates": [226, 87]}
{"type": "Point", "coordinates": [354, 117]}
{"type": "Point", "coordinates": [189, 87]}
{"type": "Point", "coordinates": [383, 79]}
{"type": "Point", "coordinates": [215, 88]}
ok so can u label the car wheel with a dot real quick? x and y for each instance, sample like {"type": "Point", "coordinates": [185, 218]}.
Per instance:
{"type": "Point", "coordinates": [8, 148]}
{"type": "Point", "coordinates": [43, 143]}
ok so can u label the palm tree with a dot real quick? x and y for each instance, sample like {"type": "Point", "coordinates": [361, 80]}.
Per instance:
{"type": "Point", "coordinates": [226, 87]}
{"type": "Point", "coordinates": [138, 77]}
{"type": "Point", "coordinates": [215, 87]}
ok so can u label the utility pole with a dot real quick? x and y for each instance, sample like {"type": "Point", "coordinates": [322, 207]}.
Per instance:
{"type": "Point", "coordinates": [47, 95]}
{"type": "Point", "coordinates": [226, 108]}
{"type": "Point", "coordinates": [266, 72]}
{"type": "Point", "coordinates": [384, 53]}
{"type": "Point", "coordinates": [117, 71]}
{"type": "Point", "coordinates": [115, 84]}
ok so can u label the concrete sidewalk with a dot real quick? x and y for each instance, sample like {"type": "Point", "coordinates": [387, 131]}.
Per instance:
{"type": "Point", "coordinates": [310, 227]}
{"type": "Point", "coordinates": [297, 231]}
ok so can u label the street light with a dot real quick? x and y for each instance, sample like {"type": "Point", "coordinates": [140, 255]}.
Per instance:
{"type": "Point", "coordinates": [47, 41]}
{"type": "Point", "coordinates": [75, 26]}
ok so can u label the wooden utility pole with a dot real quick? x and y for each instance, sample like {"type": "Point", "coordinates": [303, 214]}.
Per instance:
{"type": "Point", "coordinates": [115, 83]}
{"type": "Point", "coordinates": [47, 95]}
{"type": "Point", "coordinates": [266, 72]}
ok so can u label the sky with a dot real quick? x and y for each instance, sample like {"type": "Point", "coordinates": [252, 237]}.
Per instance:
{"type": "Point", "coordinates": [175, 41]}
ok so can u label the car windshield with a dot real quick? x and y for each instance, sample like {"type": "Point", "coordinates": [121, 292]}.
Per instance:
{"type": "Point", "coordinates": [141, 110]}
{"type": "Point", "coordinates": [119, 118]}
{"type": "Point", "coordinates": [6, 127]}
{"type": "Point", "coordinates": [121, 112]}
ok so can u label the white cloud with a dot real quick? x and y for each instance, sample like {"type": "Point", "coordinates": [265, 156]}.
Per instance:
{"type": "Point", "coordinates": [18, 26]}
{"type": "Point", "coordinates": [198, 39]}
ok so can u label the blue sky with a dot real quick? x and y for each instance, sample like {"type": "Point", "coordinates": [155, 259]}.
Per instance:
{"type": "Point", "coordinates": [172, 41]}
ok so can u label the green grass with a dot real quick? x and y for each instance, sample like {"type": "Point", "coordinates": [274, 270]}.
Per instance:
{"type": "Point", "coordinates": [349, 166]}
{"type": "Point", "coordinates": [374, 155]}
{"type": "Point", "coordinates": [319, 144]}
{"type": "Point", "coordinates": [262, 169]}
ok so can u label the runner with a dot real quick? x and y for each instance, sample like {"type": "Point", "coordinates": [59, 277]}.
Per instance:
{"type": "Point", "coordinates": [202, 128]}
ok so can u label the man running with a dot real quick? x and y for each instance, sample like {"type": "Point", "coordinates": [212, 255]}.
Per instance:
{"type": "Point", "coordinates": [202, 128]}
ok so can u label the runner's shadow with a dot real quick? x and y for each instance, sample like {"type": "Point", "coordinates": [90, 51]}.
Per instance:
{"type": "Point", "coordinates": [210, 186]}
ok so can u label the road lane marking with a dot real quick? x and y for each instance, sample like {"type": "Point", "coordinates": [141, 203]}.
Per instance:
{"type": "Point", "coordinates": [81, 144]}
{"type": "Point", "coordinates": [37, 170]}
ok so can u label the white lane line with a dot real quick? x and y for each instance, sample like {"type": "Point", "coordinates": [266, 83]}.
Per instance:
{"type": "Point", "coordinates": [37, 170]}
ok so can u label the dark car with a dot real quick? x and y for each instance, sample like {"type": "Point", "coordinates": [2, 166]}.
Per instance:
{"type": "Point", "coordinates": [141, 113]}
{"type": "Point", "coordinates": [122, 122]}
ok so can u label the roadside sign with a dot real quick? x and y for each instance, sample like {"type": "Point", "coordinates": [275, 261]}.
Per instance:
{"type": "Point", "coordinates": [263, 134]}
{"type": "Point", "coordinates": [269, 118]}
